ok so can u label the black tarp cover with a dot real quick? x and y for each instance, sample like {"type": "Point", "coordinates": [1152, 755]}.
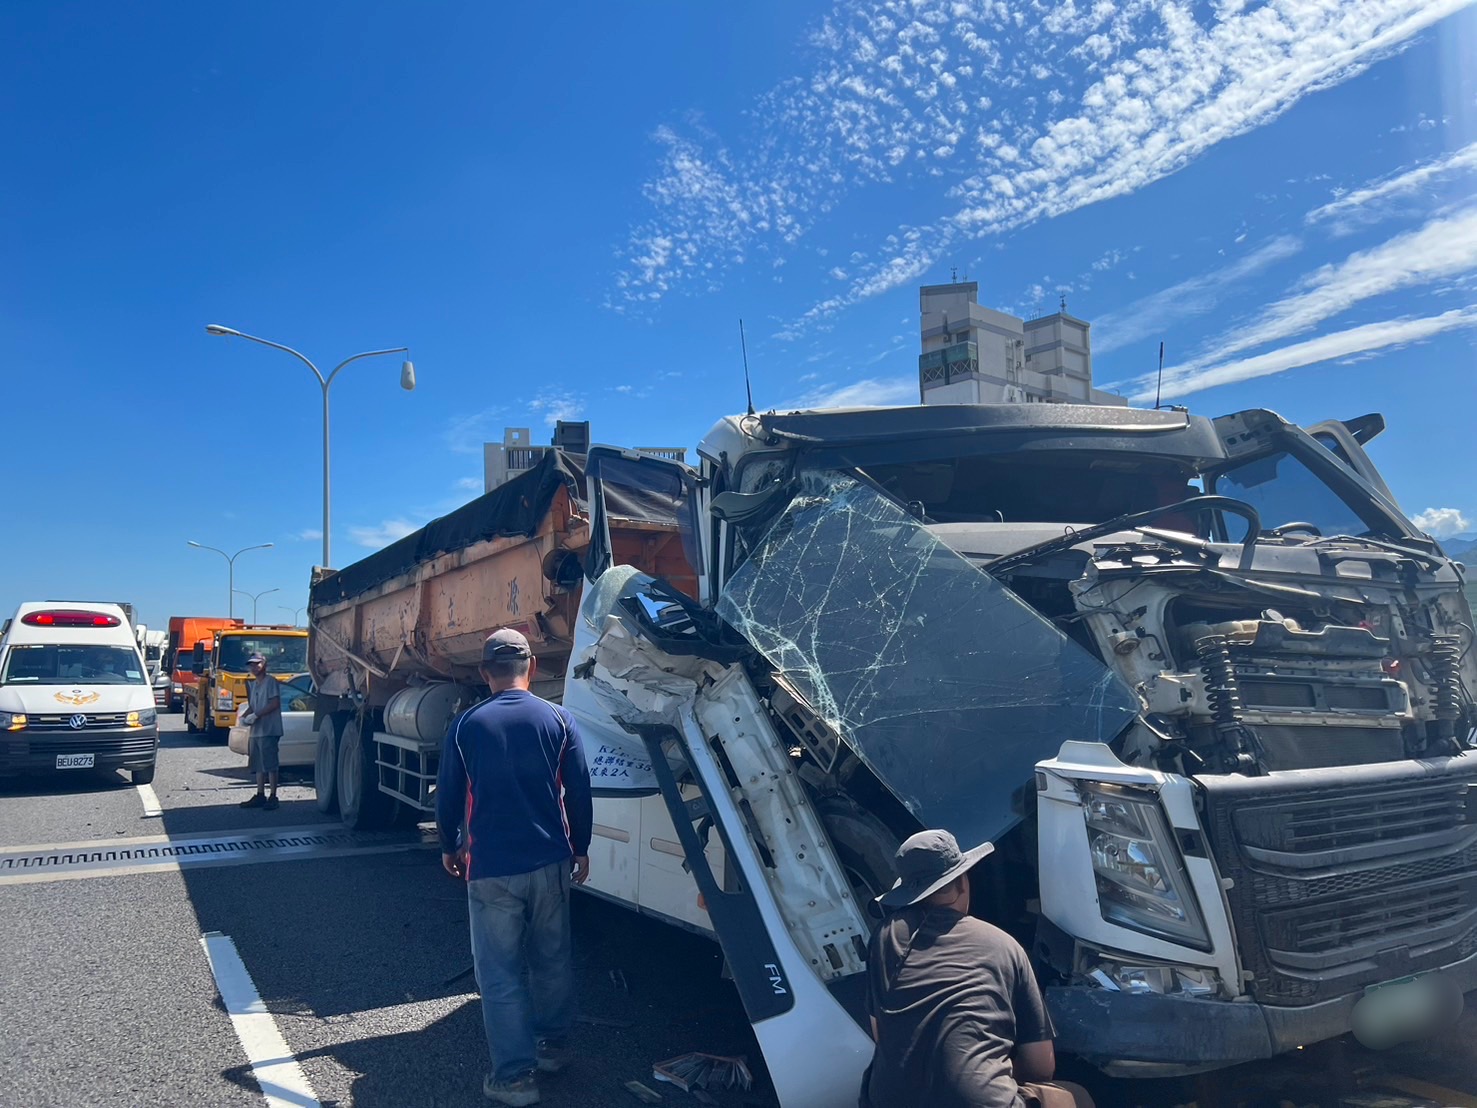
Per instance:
{"type": "Point", "coordinates": [516, 508]}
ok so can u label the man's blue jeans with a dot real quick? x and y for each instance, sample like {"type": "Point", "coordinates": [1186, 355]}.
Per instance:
{"type": "Point", "coordinates": [524, 914]}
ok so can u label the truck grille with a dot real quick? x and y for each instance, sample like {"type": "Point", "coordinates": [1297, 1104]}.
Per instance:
{"type": "Point", "coordinates": [62, 721]}
{"type": "Point", "coordinates": [1343, 878]}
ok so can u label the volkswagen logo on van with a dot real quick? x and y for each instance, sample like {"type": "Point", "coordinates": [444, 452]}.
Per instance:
{"type": "Point", "coordinates": [77, 722]}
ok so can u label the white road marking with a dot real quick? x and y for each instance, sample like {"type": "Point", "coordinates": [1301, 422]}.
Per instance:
{"type": "Point", "coordinates": [151, 802]}
{"type": "Point", "coordinates": [276, 1070]}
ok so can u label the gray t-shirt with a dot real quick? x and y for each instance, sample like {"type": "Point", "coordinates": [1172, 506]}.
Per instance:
{"type": "Point", "coordinates": [259, 696]}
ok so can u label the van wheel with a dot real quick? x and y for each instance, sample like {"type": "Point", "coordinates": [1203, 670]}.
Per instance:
{"type": "Point", "coordinates": [864, 847]}
{"type": "Point", "coordinates": [361, 805]}
{"type": "Point", "coordinates": [325, 764]}
{"type": "Point", "coordinates": [143, 776]}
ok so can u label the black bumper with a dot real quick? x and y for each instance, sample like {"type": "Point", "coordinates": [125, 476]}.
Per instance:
{"type": "Point", "coordinates": [1130, 1034]}
{"type": "Point", "coordinates": [36, 752]}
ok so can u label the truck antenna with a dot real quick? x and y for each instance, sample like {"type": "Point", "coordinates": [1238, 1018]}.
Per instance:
{"type": "Point", "coordinates": [748, 388]}
{"type": "Point", "coordinates": [1159, 384]}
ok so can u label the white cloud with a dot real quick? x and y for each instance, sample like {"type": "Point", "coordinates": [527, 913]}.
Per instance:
{"type": "Point", "coordinates": [557, 404]}
{"type": "Point", "coordinates": [1404, 183]}
{"type": "Point", "coordinates": [1386, 335]}
{"type": "Point", "coordinates": [1445, 247]}
{"type": "Point", "coordinates": [465, 434]}
{"type": "Point", "coordinates": [921, 97]}
{"type": "Point", "coordinates": [469, 484]}
{"type": "Point", "coordinates": [882, 392]}
{"type": "Point", "coordinates": [1150, 315]}
{"type": "Point", "coordinates": [383, 533]}
{"type": "Point", "coordinates": [309, 534]}
{"type": "Point", "coordinates": [1442, 523]}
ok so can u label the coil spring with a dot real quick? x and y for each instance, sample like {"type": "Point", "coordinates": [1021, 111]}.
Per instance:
{"type": "Point", "coordinates": [1445, 660]}
{"type": "Point", "coordinates": [1222, 688]}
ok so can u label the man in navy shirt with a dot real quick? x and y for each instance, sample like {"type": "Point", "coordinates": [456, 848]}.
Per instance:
{"type": "Point", "coordinates": [513, 810]}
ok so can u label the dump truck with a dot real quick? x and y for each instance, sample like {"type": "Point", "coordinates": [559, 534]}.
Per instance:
{"type": "Point", "coordinates": [221, 675]}
{"type": "Point", "coordinates": [1201, 681]}
{"type": "Point", "coordinates": [184, 633]}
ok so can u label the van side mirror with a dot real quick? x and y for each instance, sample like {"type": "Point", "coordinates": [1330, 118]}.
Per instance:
{"type": "Point", "coordinates": [197, 659]}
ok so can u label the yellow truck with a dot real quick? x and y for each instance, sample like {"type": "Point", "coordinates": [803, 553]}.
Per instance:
{"type": "Point", "coordinates": [210, 707]}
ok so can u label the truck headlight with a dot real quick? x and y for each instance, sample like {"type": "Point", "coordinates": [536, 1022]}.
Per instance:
{"type": "Point", "coordinates": [12, 721]}
{"type": "Point", "coordinates": [146, 718]}
{"type": "Point", "coordinates": [1141, 882]}
{"type": "Point", "coordinates": [225, 699]}
{"type": "Point", "coordinates": [178, 687]}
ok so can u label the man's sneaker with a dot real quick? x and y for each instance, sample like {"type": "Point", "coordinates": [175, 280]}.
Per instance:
{"type": "Point", "coordinates": [552, 1056]}
{"type": "Point", "coordinates": [271, 803]}
{"type": "Point", "coordinates": [523, 1090]}
{"type": "Point", "coordinates": [257, 801]}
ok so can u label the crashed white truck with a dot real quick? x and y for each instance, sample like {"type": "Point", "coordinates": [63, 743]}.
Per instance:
{"type": "Point", "coordinates": [1201, 681]}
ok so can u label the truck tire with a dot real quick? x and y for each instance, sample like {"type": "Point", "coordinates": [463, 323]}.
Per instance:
{"type": "Point", "coordinates": [864, 846]}
{"type": "Point", "coordinates": [361, 805]}
{"type": "Point", "coordinates": [325, 764]}
{"type": "Point", "coordinates": [143, 776]}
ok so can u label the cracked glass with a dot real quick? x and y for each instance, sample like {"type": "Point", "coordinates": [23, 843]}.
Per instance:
{"type": "Point", "coordinates": [940, 678]}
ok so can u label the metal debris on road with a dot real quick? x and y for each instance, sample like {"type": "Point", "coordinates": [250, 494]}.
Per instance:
{"type": "Point", "coordinates": [698, 1070]}
{"type": "Point", "coordinates": [642, 1093]}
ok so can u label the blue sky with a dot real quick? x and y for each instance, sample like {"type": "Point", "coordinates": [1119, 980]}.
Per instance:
{"type": "Point", "coordinates": [564, 212]}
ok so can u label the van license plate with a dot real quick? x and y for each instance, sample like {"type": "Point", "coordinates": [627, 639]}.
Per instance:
{"type": "Point", "coordinates": [74, 761]}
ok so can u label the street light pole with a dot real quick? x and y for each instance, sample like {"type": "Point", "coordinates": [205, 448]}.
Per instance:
{"type": "Point", "coordinates": [230, 570]}
{"type": "Point", "coordinates": [294, 612]}
{"type": "Point", "coordinates": [254, 598]}
{"type": "Point", "coordinates": [407, 382]}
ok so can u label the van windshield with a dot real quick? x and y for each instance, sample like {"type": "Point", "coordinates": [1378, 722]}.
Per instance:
{"type": "Point", "coordinates": [284, 654]}
{"type": "Point", "coordinates": [44, 664]}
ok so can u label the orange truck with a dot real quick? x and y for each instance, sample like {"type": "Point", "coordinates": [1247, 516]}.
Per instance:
{"type": "Point", "coordinates": [184, 633]}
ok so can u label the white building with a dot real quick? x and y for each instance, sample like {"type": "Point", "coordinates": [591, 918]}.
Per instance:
{"type": "Point", "coordinates": [976, 355]}
{"type": "Point", "coordinates": [516, 454]}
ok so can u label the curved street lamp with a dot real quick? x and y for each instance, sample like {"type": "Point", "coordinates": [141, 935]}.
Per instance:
{"type": "Point", "coordinates": [230, 569]}
{"type": "Point", "coordinates": [407, 382]}
{"type": "Point", "coordinates": [255, 596]}
{"type": "Point", "coordinates": [294, 612]}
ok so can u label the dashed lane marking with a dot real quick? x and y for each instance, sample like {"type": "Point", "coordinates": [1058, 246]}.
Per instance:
{"type": "Point", "coordinates": [167, 854]}
{"type": "Point", "coordinates": [276, 1070]}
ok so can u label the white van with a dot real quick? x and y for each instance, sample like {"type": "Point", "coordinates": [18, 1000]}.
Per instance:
{"type": "Point", "coordinates": [75, 693]}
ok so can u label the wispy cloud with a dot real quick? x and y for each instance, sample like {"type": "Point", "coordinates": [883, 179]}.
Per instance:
{"type": "Point", "coordinates": [465, 434]}
{"type": "Point", "coordinates": [991, 120]}
{"type": "Point", "coordinates": [1150, 315]}
{"type": "Point", "coordinates": [1445, 248]}
{"type": "Point", "coordinates": [557, 404]}
{"type": "Point", "coordinates": [1443, 523]}
{"type": "Point", "coordinates": [469, 484]}
{"type": "Point", "coordinates": [1368, 202]}
{"type": "Point", "coordinates": [383, 533]}
{"type": "Point", "coordinates": [879, 392]}
{"type": "Point", "coordinates": [1383, 336]}
{"type": "Point", "coordinates": [309, 534]}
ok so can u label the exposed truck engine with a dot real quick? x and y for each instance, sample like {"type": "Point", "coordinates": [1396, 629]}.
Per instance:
{"type": "Point", "coordinates": [1201, 681]}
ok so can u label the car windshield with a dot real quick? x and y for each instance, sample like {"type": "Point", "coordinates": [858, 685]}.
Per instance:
{"type": "Point", "coordinates": [1284, 490]}
{"type": "Point", "coordinates": [285, 654]}
{"type": "Point", "coordinates": [939, 676]}
{"type": "Point", "coordinates": [72, 665]}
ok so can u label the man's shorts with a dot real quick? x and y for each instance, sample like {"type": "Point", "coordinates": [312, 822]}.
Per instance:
{"type": "Point", "coordinates": [262, 753]}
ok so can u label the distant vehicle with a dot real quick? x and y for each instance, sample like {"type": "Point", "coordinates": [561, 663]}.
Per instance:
{"type": "Point", "coordinates": [184, 633]}
{"type": "Point", "coordinates": [155, 646]}
{"type": "Point", "coordinates": [221, 689]}
{"type": "Point", "coordinates": [299, 745]}
{"type": "Point", "coordinates": [74, 692]}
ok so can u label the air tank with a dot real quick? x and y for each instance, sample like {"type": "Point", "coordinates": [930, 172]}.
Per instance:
{"type": "Point", "coordinates": [423, 711]}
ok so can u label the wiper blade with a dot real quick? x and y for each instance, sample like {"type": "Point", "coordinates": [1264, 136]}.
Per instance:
{"type": "Point", "coordinates": [1395, 548]}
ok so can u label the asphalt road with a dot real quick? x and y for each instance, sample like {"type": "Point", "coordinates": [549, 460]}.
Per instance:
{"type": "Point", "coordinates": [107, 996]}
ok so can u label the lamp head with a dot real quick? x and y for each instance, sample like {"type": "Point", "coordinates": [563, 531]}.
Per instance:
{"type": "Point", "coordinates": [217, 329]}
{"type": "Point", "coordinates": [407, 376]}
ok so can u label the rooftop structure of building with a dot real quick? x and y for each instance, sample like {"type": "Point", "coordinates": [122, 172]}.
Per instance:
{"type": "Point", "coordinates": [517, 454]}
{"type": "Point", "coordinates": [977, 355]}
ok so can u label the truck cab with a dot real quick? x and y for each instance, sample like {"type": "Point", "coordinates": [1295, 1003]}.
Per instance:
{"type": "Point", "coordinates": [1201, 681]}
{"type": "Point", "coordinates": [222, 677]}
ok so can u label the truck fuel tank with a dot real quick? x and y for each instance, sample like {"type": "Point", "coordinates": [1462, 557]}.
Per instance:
{"type": "Point", "coordinates": [423, 712]}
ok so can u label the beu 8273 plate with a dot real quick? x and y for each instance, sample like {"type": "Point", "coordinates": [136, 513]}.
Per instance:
{"type": "Point", "coordinates": [74, 761]}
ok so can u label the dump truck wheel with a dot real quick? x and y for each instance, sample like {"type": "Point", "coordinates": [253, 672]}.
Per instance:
{"type": "Point", "coordinates": [361, 805]}
{"type": "Point", "coordinates": [325, 764]}
{"type": "Point", "coordinates": [864, 847]}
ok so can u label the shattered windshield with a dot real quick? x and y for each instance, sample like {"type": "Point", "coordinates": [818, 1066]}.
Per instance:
{"type": "Point", "coordinates": [940, 678]}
